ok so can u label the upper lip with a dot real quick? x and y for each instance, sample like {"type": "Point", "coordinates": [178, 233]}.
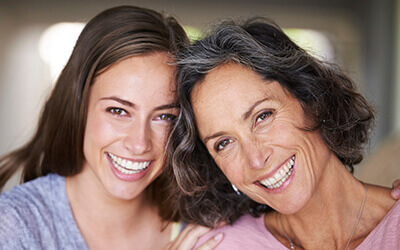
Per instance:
{"type": "Point", "coordinates": [273, 172]}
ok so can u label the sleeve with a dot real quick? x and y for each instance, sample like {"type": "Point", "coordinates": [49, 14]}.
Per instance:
{"type": "Point", "coordinates": [13, 232]}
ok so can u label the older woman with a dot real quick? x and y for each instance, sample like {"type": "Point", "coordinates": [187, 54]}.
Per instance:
{"type": "Point", "coordinates": [266, 129]}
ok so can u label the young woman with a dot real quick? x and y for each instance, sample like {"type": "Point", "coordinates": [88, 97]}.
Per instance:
{"type": "Point", "coordinates": [266, 130]}
{"type": "Point", "coordinates": [93, 170]}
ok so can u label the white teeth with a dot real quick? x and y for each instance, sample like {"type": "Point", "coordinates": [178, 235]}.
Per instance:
{"type": "Point", "coordinates": [280, 176]}
{"type": "Point", "coordinates": [286, 168]}
{"type": "Point", "coordinates": [128, 167]}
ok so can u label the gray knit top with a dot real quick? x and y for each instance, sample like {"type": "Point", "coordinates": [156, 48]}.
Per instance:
{"type": "Point", "coordinates": [37, 215]}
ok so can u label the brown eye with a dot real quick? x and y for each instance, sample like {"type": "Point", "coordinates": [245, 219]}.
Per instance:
{"type": "Point", "coordinates": [222, 144]}
{"type": "Point", "coordinates": [167, 117]}
{"type": "Point", "coordinates": [117, 111]}
{"type": "Point", "coordinates": [263, 116]}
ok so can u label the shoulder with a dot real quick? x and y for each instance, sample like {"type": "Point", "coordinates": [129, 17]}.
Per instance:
{"type": "Point", "coordinates": [246, 222]}
{"type": "Point", "coordinates": [25, 208]}
{"type": "Point", "coordinates": [248, 232]}
{"type": "Point", "coordinates": [37, 193]}
{"type": "Point", "coordinates": [14, 231]}
{"type": "Point", "coordinates": [386, 235]}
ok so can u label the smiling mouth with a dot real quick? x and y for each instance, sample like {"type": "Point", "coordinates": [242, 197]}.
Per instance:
{"type": "Point", "coordinates": [126, 166]}
{"type": "Point", "coordinates": [281, 175]}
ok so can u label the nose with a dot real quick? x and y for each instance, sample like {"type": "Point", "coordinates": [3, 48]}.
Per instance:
{"type": "Point", "coordinates": [138, 137]}
{"type": "Point", "coordinates": [256, 153]}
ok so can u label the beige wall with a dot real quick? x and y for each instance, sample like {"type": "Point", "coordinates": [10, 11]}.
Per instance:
{"type": "Point", "coordinates": [23, 75]}
{"type": "Point", "coordinates": [397, 71]}
{"type": "Point", "coordinates": [24, 82]}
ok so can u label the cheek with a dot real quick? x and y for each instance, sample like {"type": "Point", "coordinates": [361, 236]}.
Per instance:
{"type": "Point", "coordinates": [159, 135]}
{"type": "Point", "coordinates": [288, 133]}
{"type": "Point", "coordinates": [98, 133]}
{"type": "Point", "coordinates": [231, 169]}
{"type": "Point", "coordinates": [318, 153]}
{"type": "Point", "coordinates": [313, 151]}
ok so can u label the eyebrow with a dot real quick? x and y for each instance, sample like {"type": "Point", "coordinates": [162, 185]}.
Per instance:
{"type": "Point", "coordinates": [130, 104]}
{"type": "Point", "coordinates": [167, 106]}
{"type": "Point", "coordinates": [213, 136]}
{"type": "Point", "coordinates": [122, 101]}
{"type": "Point", "coordinates": [247, 114]}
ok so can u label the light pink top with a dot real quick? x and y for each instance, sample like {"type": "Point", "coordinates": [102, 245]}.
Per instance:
{"type": "Point", "coordinates": [250, 233]}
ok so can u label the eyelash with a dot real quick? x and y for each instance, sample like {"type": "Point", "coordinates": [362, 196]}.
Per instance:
{"type": "Point", "coordinates": [117, 111]}
{"type": "Point", "coordinates": [169, 117]}
{"type": "Point", "coordinates": [219, 147]}
{"type": "Point", "coordinates": [122, 112]}
{"type": "Point", "coordinates": [264, 115]}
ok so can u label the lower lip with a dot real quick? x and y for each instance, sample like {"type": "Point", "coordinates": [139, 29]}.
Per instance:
{"type": "Point", "coordinates": [127, 177]}
{"type": "Point", "coordinates": [283, 186]}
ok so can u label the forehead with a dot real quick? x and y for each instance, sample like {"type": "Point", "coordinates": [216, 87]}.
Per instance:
{"type": "Point", "coordinates": [138, 76]}
{"type": "Point", "coordinates": [232, 84]}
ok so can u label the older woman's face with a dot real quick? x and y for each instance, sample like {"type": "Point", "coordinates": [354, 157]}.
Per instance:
{"type": "Point", "coordinates": [251, 128]}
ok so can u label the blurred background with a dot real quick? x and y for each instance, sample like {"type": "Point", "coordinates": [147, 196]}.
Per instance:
{"type": "Point", "coordinates": [360, 35]}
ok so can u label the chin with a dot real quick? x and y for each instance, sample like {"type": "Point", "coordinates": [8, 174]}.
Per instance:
{"type": "Point", "coordinates": [126, 194]}
{"type": "Point", "coordinates": [120, 190]}
{"type": "Point", "coordinates": [288, 204]}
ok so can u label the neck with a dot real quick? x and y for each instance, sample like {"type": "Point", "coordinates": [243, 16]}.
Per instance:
{"type": "Point", "coordinates": [101, 217]}
{"type": "Point", "coordinates": [335, 202]}
{"type": "Point", "coordinates": [85, 195]}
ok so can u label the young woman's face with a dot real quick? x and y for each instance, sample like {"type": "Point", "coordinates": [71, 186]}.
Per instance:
{"type": "Point", "coordinates": [130, 109]}
{"type": "Point", "coordinates": [252, 129]}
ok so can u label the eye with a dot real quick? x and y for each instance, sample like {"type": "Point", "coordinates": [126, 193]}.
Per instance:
{"type": "Point", "coordinates": [263, 116]}
{"type": "Point", "coordinates": [166, 117]}
{"type": "Point", "coordinates": [117, 111]}
{"type": "Point", "coordinates": [222, 144]}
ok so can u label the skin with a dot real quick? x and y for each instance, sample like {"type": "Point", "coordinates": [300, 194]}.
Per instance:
{"type": "Point", "coordinates": [130, 109]}
{"type": "Point", "coordinates": [252, 127]}
{"type": "Point", "coordinates": [395, 193]}
{"type": "Point", "coordinates": [130, 124]}
{"type": "Point", "coordinates": [257, 141]}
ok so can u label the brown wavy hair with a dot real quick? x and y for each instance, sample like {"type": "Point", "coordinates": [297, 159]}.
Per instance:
{"type": "Point", "coordinates": [111, 36]}
{"type": "Point", "coordinates": [328, 97]}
